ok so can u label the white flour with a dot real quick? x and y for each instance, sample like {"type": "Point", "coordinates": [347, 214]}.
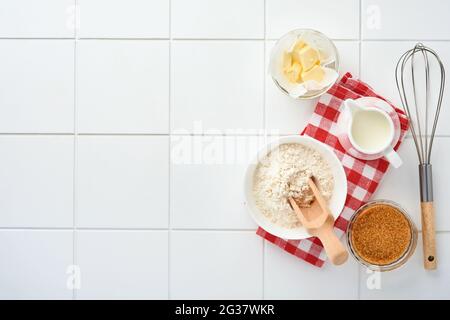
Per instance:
{"type": "Point", "coordinates": [284, 173]}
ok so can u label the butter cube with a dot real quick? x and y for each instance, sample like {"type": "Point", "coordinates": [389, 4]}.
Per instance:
{"type": "Point", "coordinates": [315, 73]}
{"type": "Point", "coordinates": [308, 57]}
{"type": "Point", "coordinates": [287, 61]}
{"type": "Point", "coordinates": [294, 72]}
{"type": "Point", "coordinates": [299, 45]}
{"type": "Point", "coordinates": [296, 50]}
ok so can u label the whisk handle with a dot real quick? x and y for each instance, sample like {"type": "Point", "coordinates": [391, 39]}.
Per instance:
{"type": "Point", "coordinates": [427, 208]}
{"type": "Point", "coordinates": [428, 236]}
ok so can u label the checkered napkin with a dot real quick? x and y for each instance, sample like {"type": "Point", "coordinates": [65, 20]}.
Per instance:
{"type": "Point", "coordinates": [363, 176]}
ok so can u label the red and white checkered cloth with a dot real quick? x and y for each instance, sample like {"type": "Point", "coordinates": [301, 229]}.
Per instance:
{"type": "Point", "coordinates": [363, 176]}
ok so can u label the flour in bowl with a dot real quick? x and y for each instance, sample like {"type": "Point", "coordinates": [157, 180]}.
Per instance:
{"type": "Point", "coordinates": [284, 173]}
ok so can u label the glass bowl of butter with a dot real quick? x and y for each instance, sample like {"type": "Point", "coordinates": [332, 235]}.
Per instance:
{"type": "Point", "coordinates": [304, 63]}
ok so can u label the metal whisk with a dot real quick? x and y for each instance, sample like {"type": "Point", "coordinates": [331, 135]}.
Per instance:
{"type": "Point", "coordinates": [418, 111]}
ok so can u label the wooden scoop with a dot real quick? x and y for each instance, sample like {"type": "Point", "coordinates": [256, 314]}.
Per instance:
{"type": "Point", "coordinates": [319, 222]}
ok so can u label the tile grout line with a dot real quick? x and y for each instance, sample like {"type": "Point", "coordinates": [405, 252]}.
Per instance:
{"type": "Point", "coordinates": [122, 39]}
{"type": "Point", "coordinates": [222, 39]}
{"type": "Point", "coordinates": [36, 134]}
{"type": "Point", "coordinates": [358, 288]}
{"type": "Point", "coordinates": [75, 145]}
{"type": "Point", "coordinates": [358, 277]}
{"type": "Point", "coordinates": [360, 40]}
{"type": "Point", "coordinates": [265, 131]}
{"type": "Point", "coordinates": [264, 116]}
{"type": "Point", "coordinates": [169, 225]}
{"type": "Point", "coordinates": [219, 39]}
{"type": "Point", "coordinates": [37, 38]}
{"type": "Point", "coordinates": [263, 269]}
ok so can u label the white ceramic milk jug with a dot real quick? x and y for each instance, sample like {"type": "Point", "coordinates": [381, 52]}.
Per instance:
{"type": "Point", "coordinates": [370, 131]}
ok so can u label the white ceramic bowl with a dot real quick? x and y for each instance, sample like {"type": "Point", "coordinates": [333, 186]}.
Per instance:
{"type": "Point", "coordinates": [336, 202]}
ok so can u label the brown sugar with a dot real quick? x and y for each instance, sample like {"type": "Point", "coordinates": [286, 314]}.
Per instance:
{"type": "Point", "coordinates": [381, 234]}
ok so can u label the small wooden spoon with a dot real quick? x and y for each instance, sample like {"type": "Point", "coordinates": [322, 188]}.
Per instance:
{"type": "Point", "coordinates": [319, 222]}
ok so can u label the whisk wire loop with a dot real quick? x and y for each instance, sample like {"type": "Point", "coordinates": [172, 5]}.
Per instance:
{"type": "Point", "coordinates": [423, 139]}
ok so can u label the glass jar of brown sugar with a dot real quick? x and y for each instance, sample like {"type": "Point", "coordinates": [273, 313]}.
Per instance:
{"type": "Point", "coordinates": [381, 235]}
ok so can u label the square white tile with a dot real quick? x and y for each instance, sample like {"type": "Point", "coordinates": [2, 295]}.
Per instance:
{"type": "Point", "coordinates": [217, 19]}
{"type": "Point", "coordinates": [123, 86]}
{"type": "Point", "coordinates": [288, 277]}
{"type": "Point", "coordinates": [37, 181]}
{"type": "Point", "coordinates": [215, 265]}
{"type": "Point", "coordinates": [207, 191]}
{"type": "Point", "coordinates": [122, 264]}
{"type": "Point", "coordinates": [122, 181]}
{"type": "Point", "coordinates": [348, 57]}
{"type": "Point", "coordinates": [405, 19]}
{"type": "Point", "coordinates": [220, 93]}
{"type": "Point", "coordinates": [411, 281]}
{"type": "Point", "coordinates": [124, 18]}
{"type": "Point", "coordinates": [440, 160]}
{"type": "Point", "coordinates": [379, 59]}
{"type": "Point", "coordinates": [402, 184]}
{"type": "Point", "coordinates": [285, 115]}
{"type": "Point", "coordinates": [336, 19]}
{"type": "Point", "coordinates": [36, 86]}
{"type": "Point", "coordinates": [34, 264]}
{"type": "Point", "coordinates": [43, 18]}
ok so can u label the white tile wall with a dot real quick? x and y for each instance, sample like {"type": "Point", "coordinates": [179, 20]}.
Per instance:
{"type": "Point", "coordinates": [122, 264]}
{"type": "Point", "coordinates": [37, 19]}
{"type": "Point", "coordinates": [36, 86]}
{"type": "Point", "coordinates": [205, 86]}
{"type": "Point", "coordinates": [103, 166]}
{"type": "Point", "coordinates": [405, 19]}
{"type": "Point", "coordinates": [122, 86]}
{"type": "Point", "coordinates": [215, 202]}
{"type": "Point", "coordinates": [284, 278]}
{"type": "Point", "coordinates": [215, 265]}
{"type": "Point", "coordinates": [34, 264]}
{"type": "Point", "coordinates": [36, 174]}
{"type": "Point", "coordinates": [337, 19]}
{"type": "Point", "coordinates": [218, 19]}
{"type": "Point", "coordinates": [123, 181]}
{"type": "Point", "coordinates": [124, 18]}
